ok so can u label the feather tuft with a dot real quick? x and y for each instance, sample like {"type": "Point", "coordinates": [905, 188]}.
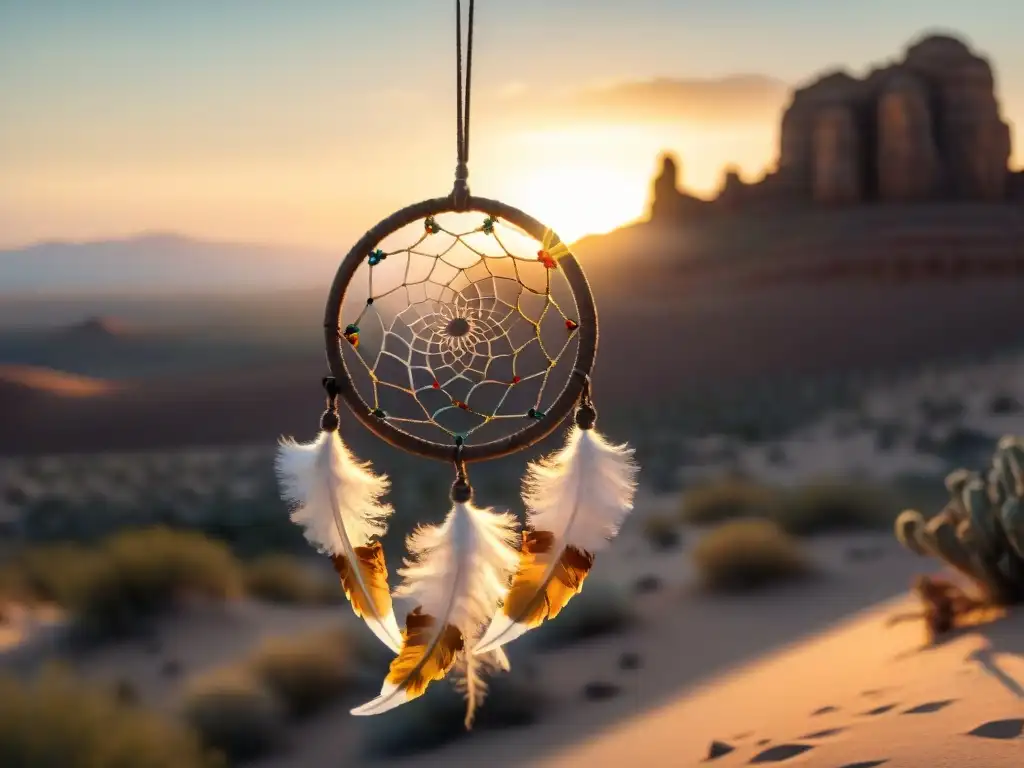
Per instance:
{"type": "Point", "coordinates": [455, 574]}
{"type": "Point", "coordinates": [576, 500]}
{"type": "Point", "coordinates": [337, 502]}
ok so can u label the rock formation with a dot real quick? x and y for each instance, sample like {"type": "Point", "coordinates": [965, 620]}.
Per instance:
{"type": "Point", "coordinates": [668, 201]}
{"type": "Point", "coordinates": [930, 126]}
{"type": "Point", "coordinates": [925, 128]}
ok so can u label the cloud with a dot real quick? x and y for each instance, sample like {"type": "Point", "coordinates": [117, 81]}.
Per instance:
{"type": "Point", "coordinates": [717, 101]}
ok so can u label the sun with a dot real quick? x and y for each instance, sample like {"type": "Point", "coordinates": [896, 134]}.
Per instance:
{"type": "Point", "coordinates": [579, 200]}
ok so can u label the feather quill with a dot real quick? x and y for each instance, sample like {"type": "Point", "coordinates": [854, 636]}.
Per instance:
{"type": "Point", "coordinates": [337, 501]}
{"type": "Point", "coordinates": [455, 575]}
{"type": "Point", "coordinates": [576, 500]}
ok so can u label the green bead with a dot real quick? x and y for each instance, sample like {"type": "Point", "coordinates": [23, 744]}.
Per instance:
{"type": "Point", "coordinates": [379, 413]}
{"type": "Point", "coordinates": [460, 439]}
{"type": "Point", "coordinates": [351, 328]}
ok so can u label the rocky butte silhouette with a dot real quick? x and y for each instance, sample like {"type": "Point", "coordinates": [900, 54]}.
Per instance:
{"type": "Point", "coordinates": [905, 170]}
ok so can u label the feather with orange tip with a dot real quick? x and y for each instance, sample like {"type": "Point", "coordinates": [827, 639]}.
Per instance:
{"type": "Point", "coordinates": [576, 499]}
{"type": "Point", "coordinates": [455, 574]}
{"type": "Point", "coordinates": [337, 501]}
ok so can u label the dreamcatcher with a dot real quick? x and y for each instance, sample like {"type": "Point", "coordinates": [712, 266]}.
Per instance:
{"type": "Point", "coordinates": [460, 329]}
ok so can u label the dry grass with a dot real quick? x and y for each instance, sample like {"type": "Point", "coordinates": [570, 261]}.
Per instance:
{"type": "Point", "coordinates": [59, 722]}
{"type": "Point", "coordinates": [113, 587]}
{"type": "Point", "coordinates": [743, 555]}
{"type": "Point", "coordinates": [286, 579]}
{"type": "Point", "coordinates": [307, 673]}
{"type": "Point", "coordinates": [662, 533]}
{"type": "Point", "coordinates": [602, 608]}
{"type": "Point", "coordinates": [724, 500]}
{"type": "Point", "coordinates": [831, 506]}
{"type": "Point", "coordinates": [234, 714]}
{"type": "Point", "coordinates": [818, 507]}
{"type": "Point", "coordinates": [243, 710]}
{"type": "Point", "coordinates": [130, 577]}
{"type": "Point", "coordinates": [437, 717]}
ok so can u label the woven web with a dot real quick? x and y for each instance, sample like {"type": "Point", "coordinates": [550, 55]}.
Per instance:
{"type": "Point", "coordinates": [466, 333]}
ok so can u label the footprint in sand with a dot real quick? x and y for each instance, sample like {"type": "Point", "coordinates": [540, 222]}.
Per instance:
{"type": "Point", "coordinates": [879, 710]}
{"type": "Point", "coordinates": [823, 734]}
{"type": "Point", "coordinates": [1000, 729]}
{"type": "Point", "coordinates": [871, 693]}
{"type": "Point", "coordinates": [929, 707]}
{"type": "Point", "coordinates": [718, 749]}
{"type": "Point", "coordinates": [824, 711]}
{"type": "Point", "coordinates": [780, 753]}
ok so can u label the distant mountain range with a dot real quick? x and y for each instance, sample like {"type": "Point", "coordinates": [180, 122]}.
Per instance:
{"type": "Point", "coordinates": [161, 263]}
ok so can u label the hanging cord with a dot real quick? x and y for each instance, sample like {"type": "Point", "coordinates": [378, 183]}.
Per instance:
{"type": "Point", "coordinates": [460, 195]}
{"type": "Point", "coordinates": [330, 420]}
{"type": "Point", "coordinates": [586, 413]}
{"type": "Point", "coordinates": [462, 491]}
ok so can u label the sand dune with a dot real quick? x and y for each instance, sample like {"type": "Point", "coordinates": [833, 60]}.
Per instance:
{"type": "Point", "coordinates": [859, 695]}
{"type": "Point", "coordinates": [26, 379]}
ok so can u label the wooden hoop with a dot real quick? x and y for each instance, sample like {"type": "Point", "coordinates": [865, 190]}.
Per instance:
{"type": "Point", "coordinates": [586, 350]}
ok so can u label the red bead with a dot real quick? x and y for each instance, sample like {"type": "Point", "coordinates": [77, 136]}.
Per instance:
{"type": "Point", "coordinates": [545, 258]}
{"type": "Point", "coordinates": [571, 325]}
{"type": "Point", "coordinates": [462, 405]}
{"type": "Point", "coordinates": [516, 379]}
{"type": "Point", "coordinates": [436, 384]}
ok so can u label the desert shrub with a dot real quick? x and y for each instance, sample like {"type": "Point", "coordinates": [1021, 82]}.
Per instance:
{"type": "Point", "coordinates": [128, 578]}
{"type": "Point", "coordinates": [234, 714]}
{"type": "Point", "coordinates": [662, 533]}
{"type": "Point", "coordinates": [601, 608]}
{"type": "Point", "coordinates": [307, 673]}
{"type": "Point", "coordinates": [826, 506]}
{"type": "Point", "coordinates": [437, 717]}
{"type": "Point", "coordinates": [817, 507]}
{"type": "Point", "coordinates": [144, 572]}
{"type": "Point", "coordinates": [60, 721]}
{"type": "Point", "coordinates": [748, 554]}
{"type": "Point", "coordinates": [726, 499]}
{"type": "Point", "coordinates": [286, 579]}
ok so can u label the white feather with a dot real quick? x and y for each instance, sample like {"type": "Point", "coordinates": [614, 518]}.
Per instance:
{"type": "Point", "coordinates": [337, 501]}
{"type": "Point", "coordinates": [456, 573]}
{"type": "Point", "coordinates": [581, 494]}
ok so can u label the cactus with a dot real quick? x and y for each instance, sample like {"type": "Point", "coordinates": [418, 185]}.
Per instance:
{"type": "Point", "coordinates": [979, 533]}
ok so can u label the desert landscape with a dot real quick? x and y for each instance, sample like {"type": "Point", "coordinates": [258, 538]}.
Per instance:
{"type": "Point", "coordinates": [796, 360]}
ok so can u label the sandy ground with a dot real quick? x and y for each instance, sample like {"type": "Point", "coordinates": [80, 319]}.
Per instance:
{"type": "Point", "coordinates": [749, 671]}
{"type": "Point", "coordinates": [807, 674]}
{"type": "Point", "coordinates": [858, 695]}
{"type": "Point", "coordinates": [686, 642]}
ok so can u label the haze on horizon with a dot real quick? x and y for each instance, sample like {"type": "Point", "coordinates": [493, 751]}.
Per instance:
{"type": "Point", "coordinates": [306, 122]}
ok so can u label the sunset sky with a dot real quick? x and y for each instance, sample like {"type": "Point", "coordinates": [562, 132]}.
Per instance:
{"type": "Point", "coordinates": [304, 122]}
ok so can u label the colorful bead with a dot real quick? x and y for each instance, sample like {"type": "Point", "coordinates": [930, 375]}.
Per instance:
{"type": "Point", "coordinates": [376, 257]}
{"type": "Point", "coordinates": [460, 439]}
{"type": "Point", "coordinates": [545, 258]}
{"type": "Point", "coordinates": [379, 413]}
{"type": "Point", "coordinates": [516, 379]}
{"type": "Point", "coordinates": [353, 339]}
{"type": "Point", "coordinates": [533, 413]}
{"type": "Point", "coordinates": [436, 384]}
{"type": "Point", "coordinates": [571, 325]}
{"type": "Point", "coordinates": [430, 226]}
{"type": "Point", "coordinates": [488, 225]}
{"type": "Point", "coordinates": [460, 404]}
